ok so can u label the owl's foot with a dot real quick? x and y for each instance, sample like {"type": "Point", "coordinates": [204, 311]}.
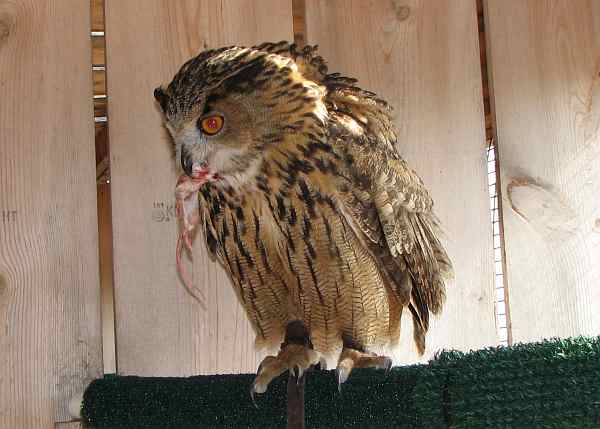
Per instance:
{"type": "Point", "coordinates": [295, 356]}
{"type": "Point", "coordinates": [352, 358]}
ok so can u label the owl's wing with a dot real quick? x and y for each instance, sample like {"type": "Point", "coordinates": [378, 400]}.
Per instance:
{"type": "Point", "coordinates": [389, 205]}
{"type": "Point", "coordinates": [393, 216]}
{"type": "Point", "coordinates": [411, 232]}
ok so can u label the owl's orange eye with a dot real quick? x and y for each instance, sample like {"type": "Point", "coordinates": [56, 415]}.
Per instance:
{"type": "Point", "coordinates": [211, 125]}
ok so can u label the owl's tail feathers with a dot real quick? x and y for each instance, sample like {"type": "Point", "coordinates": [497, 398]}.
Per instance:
{"type": "Point", "coordinates": [434, 267]}
{"type": "Point", "coordinates": [430, 268]}
{"type": "Point", "coordinates": [419, 330]}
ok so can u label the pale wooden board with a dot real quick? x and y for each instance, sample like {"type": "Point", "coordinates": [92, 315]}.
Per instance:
{"type": "Point", "coordinates": [545, 62]}
{"type": "Point", "coordinates": [50, 338]}
{"type": "Point", "coordinates": [68, 425]}
{"type": "Point", "coordinates": [161, 329]}
{"type": "Point", "coordinates": [423, 57]}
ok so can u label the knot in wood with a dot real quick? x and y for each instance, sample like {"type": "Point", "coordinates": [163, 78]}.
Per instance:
{"type": "Point", "coordinates": [401, 11]}
{"type": "Point", "coordinates": [3, 285]}
{"type": "Point", "coordinates": [8, 18]}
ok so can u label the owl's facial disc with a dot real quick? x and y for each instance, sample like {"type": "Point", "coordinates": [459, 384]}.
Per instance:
{"type": "Point", "coordinates": [224, 134]}
{"type": "Point", "coordinates": [223, 137]}
{"type": "Point", "coordinates": [226, 157]}
{"type": "Point", "coordinates": [195, 144]}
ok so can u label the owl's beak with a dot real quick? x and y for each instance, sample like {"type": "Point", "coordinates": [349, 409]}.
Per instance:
{"type": "Point", "coordinates": [187, 163]}
{"type": "Point", "coordinates": [162, 98]}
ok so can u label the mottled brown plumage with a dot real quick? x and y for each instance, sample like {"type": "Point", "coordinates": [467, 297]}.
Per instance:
{"type": "Point", "coordinates": [308, 205]}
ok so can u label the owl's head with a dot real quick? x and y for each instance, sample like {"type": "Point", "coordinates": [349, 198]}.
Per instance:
{"type": "Point", "coordinates": [226, 108]}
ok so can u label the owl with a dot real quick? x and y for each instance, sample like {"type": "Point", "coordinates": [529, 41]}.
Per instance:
{"type": "Point", "coordinates": [293, 175]}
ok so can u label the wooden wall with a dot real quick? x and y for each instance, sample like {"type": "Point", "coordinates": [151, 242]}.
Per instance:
{"type": "Point", "coordinates": [423, 57]}
{"type": "Point", "coordinates": [50, 343]}
{"type": "Point", "coordinates": [161, 329]}
{"type": "Point", "coordinates": [545, 64]}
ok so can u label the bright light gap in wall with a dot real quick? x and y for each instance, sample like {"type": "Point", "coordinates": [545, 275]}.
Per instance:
{"type": "Point", "coordinates": [499, 300]}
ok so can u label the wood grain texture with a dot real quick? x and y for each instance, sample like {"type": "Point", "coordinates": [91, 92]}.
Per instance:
{"type": "Point", "coordinates": [161, 329]}
{"type": "Point", "coordinates": [68, 425]}
{"type": "Point", "coordinates": [545, 63]}
{"type": "Point", "coordinates": [50, 340]}
{"type": "Point", "coordinates": [423, 57]}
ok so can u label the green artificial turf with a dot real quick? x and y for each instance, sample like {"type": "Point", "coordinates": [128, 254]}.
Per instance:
{"type": "Point", "coordinates": [551, 384]}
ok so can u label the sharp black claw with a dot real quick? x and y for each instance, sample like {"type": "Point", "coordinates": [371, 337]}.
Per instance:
{"type": "Point", "coordinates": [388, 366]}
{"type": "Point", "coordinates": [252, 392]}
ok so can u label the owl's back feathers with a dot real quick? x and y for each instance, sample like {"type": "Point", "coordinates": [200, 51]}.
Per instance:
{"type": "Point", "coordinates": [395, 210]}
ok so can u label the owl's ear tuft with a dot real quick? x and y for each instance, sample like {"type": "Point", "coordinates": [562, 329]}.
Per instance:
{"type": "Point", "coordinates": [162, 98]}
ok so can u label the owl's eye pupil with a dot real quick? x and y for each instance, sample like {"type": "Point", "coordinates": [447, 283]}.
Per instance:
{"type": "Point", "coordinates": [211, 125]}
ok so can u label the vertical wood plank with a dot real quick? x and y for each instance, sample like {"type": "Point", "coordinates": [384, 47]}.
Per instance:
{"type": "Point", "coordinates": [50, 342]}
{"type": "Point", "coordinates": [69, 425]}
{"type": "Point", "coordinates": [161, 329]}
{"type": "Point", "coordinates": [423, 57]}
{"type": "Point", "coordinates": [545, 64]}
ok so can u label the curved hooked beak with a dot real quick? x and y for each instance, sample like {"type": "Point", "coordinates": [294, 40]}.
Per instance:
{"type": "Point", "coordinates": [187, 163]}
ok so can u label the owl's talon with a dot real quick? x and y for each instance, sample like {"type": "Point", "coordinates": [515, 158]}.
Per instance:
{"type": "Point", "coordinates": [387, 365]}
{"type": "Point", "coordinates": [298, 371]}
{"type": "Point", "coordinates": [252, 392]}
{"type": "Point", "coordinates": [342, 375]}
{"type": "Point", "coordinates": [351, 358]}
{"type": "Point", "coordinates": [322, 364]}
{"type": "Point", "coordinates": [294, 358]}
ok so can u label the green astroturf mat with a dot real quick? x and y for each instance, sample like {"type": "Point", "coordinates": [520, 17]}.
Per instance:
{"type": "Point", "coordinates": [550, 384]}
